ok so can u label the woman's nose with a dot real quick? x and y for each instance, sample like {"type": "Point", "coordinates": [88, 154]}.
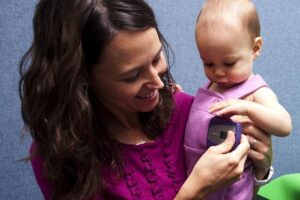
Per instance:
{"type": "Point", "coordinates": [154, 79]}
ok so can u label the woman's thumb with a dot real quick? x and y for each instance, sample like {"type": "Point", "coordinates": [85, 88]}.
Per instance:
{"type": "Point", "coordinates": [227, 145]}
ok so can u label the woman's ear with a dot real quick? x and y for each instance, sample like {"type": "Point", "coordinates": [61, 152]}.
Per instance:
{"type": "Point", "coordinates": [257, 47]}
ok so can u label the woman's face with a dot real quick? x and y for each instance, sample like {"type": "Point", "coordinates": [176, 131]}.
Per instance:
{"type": "Point", "coordinates": [127, 78]}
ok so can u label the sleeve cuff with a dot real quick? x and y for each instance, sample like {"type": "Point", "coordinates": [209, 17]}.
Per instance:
{"type": "Point", "coordinates": [265, 180]}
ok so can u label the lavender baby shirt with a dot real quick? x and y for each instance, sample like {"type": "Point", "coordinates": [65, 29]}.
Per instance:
{"type": "Point", "coordinates": [196, 135]}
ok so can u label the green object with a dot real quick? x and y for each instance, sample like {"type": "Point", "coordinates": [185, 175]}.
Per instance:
{"type": "Point", "coordinates": [286, 187]}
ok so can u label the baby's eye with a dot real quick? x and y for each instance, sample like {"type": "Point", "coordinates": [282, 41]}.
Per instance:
{"type": "Point", "coordinates": [208, 64]}
{"type": "Point", "coordinates": [229, 64]}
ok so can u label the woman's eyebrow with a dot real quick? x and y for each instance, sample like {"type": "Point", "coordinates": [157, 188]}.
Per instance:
{"type": "Point", "coordinates": [140, 66]}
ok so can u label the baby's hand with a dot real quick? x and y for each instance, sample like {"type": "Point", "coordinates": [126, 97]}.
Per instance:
{"type": "Point", "coordinates": [230, 107]}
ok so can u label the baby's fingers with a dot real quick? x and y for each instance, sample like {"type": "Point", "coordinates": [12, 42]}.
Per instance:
{"type": "Point", "coordinates": [217, 106]}
{"type": "Point", "coordinates": [222, 110]}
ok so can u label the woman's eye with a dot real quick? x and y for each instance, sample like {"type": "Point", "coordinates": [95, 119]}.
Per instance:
{"type": "Point", "coordinates": [155, 61]}
{"type": "Point", "coordinates": [162, 74]}
{"type": "Point", "coordinates": [132, 78]}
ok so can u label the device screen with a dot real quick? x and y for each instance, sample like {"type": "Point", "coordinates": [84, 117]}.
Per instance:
{"type": "Point", "coordinates": [218, 129]}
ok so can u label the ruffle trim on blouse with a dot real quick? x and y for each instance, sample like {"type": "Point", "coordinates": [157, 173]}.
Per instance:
{"type": "Point", "coordinates": [132, 184]}
{"type": "Point", "coordinates": [151, 176]}
{"type": "Point", "coordinates": [151, 173]}
{"type": "Point", "coordinates": [169, 163]}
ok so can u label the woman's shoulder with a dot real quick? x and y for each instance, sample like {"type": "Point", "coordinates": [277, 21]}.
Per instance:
{"type": "Point", "coordinates": [37, 164]}
{"type": "Point", "coordinates": [183, 100]}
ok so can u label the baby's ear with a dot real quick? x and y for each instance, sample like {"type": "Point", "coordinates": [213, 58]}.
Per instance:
{"type": "Point", "coordinates": [257, 47]}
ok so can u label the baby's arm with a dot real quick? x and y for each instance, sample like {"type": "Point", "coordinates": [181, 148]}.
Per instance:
{"type": "Point", "coordinates": [265, 111]}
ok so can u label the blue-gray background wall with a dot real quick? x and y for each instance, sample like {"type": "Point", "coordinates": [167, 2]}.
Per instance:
{"type": "Point", "coordinates": [279, 64]}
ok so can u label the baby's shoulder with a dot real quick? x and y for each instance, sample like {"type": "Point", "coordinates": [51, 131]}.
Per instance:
{"type": "Point", "coordinates": [262, 95]}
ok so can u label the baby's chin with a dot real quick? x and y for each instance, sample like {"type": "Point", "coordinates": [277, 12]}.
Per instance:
{"type": "Point", "coordinates": [226, 85]}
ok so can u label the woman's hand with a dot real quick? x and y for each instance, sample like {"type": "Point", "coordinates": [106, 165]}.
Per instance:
{"type": "Point", "coordinates": [217, 168]}
{"type": "Point", "coordinates": [261, 146]}
{"type": "Point", "coordinates": [176, 87]}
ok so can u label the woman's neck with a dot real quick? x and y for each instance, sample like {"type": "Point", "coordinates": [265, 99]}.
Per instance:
{"type": "Point", "coordinates": [129, 130]}
{"type": "Point", "coordinates": [133, 136]}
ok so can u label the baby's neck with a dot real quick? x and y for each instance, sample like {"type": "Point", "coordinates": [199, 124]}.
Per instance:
{"type": "Point", "coordinates": [221, 89]}
{"type": "Point", "coordinates": [214, 87]}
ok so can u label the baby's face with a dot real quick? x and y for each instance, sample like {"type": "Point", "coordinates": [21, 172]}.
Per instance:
{"type": "Point", "coordinates": [227, 54]}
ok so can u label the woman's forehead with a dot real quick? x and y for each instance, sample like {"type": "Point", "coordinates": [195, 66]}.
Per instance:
{"type": "Point", "coordinates": [132, 48]}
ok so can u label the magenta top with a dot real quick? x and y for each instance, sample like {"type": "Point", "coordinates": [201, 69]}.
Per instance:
{"type": "Point", "coordinates": [154, 170]}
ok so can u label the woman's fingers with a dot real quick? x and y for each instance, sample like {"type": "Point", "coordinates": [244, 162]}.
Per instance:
{"type": "Point", "coordinates": [242, 149]}
{"type": "Point", "coordinates": [260, 152]}
{"type": "Point", "coordinates": [256, 154]}
{"type": "Point", "coordinates": [256, 133]}
{"type": "Point", "coordinates": [239, 153]}
{"type": "Point", "coordinates": [225, 146]}
{"type": "Point", "coordinates": [260, 142]}
{"type": "Point", "coordinates": [219, 166]}
{"type": "Point", "coordinates": [236, 159]}
{"type": "Point", "coordinates": [261, 148]}
{"type": "Point", "coordinates": [260, 139]}
{"type": "Point", "coordinates": [176, 87]}
{"type": "Point", "coordinates": [254, 144]}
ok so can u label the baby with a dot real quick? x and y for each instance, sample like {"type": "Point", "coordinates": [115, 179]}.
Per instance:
{"type": "Point", "coordinates": [228, 40]}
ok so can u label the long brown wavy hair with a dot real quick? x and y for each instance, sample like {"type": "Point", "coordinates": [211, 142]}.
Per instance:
{"type": "Point", "coordinates": [66, 121]}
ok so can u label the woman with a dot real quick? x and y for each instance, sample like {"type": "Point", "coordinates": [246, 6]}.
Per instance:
{"type": "Point", "coordinates": [99, 101]}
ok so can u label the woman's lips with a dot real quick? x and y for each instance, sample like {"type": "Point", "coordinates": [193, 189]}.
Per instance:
{"type": "Point", "coordinates": [148, 96]}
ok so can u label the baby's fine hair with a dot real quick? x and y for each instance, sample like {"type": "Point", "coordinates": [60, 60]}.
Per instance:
{"type": "Point", "coordinates": [240, 12]}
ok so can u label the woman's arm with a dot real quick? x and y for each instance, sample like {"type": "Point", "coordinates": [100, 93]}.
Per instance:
{"type": "Point", "coordinates": [261, 151]}
{"type": "Point", "coordinates": [261, 146]}
{"type": "Point", "coordinates": [217, 168]}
